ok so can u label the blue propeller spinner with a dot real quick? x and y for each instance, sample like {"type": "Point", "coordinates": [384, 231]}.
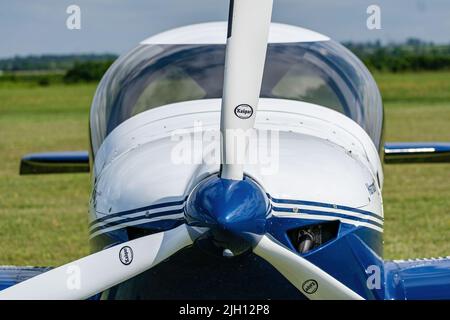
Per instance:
{"type": "Point", "coordinates": [235, 211]}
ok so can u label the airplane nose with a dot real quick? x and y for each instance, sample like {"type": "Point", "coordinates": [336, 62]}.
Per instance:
{"type": "Point", "coordinates": [235, 211]}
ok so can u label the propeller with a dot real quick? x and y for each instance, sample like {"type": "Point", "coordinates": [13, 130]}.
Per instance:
{"type": "Point", "coordinates": [226, 197]}
{"type": "Point", "coordinates": [97, 272]}
{"type": "Point", "coordinates": [248, 33]}
{"type": "Point", "coordinates": [312, 281]}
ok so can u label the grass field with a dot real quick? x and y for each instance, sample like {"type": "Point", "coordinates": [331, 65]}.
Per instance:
{"type": "Point", "coordinates": [43, 219]}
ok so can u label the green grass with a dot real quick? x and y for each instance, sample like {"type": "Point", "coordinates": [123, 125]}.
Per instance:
{"type": "Point", "coordinates": [43, 219]}
{"type": "Point", "coordinates": [416, 197]}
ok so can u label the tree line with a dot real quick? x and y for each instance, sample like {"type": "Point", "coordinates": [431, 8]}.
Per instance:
{"type": "Point", "coordinates": [51, 62]}
{"type": "Point", "coordinates": [49, 69]}
{"type": "Point", "coordinates": [412, 55]}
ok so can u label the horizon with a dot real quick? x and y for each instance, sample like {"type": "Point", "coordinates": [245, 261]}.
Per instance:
{"type": "Point", "coordinates": [97, 54]}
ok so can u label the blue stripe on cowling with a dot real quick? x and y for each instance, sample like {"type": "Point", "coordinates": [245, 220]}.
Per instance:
{"type": "Point", "coordinates": [128, 220]}
{"type": "Point", "coordinates": [324, 205]}
{"type": "Point", "coordinates": [158, 226]}
{"type": "Point", "coordinates": [275, 200]}
{"type": "Point", "coordinates": [324, 213]}
{"type": "Point", "coordinates": [146, 208]}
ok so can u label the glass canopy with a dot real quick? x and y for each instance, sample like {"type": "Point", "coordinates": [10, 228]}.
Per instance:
{"type": "Point", "coordinates": [324, 73]}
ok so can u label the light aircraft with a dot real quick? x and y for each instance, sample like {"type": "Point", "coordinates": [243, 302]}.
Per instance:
{"type": "Point", "coordinates": [164, 227]}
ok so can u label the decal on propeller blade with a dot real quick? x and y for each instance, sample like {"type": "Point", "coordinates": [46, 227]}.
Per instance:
{"type": "Point", "coordinates": [310, 286]}
{"type": "Point", "coordinates": [126, 255]}
{"type": "Point", "coordinates": [243, 111]}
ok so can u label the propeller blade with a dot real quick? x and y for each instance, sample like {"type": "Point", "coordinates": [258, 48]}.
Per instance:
{"type": "Point", "coordinates": [95, 273]}
{"type": "Point", "coordinates": [312, 281]}
{"type": "Point", "coordinates": [248, 33]}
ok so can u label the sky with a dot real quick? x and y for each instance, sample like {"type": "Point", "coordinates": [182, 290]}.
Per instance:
{"type": "Point", "coordinates": [116, 26]}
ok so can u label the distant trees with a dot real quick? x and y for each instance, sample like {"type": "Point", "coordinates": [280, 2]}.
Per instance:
{"type": "Point", "coordinates": [41, 78]}
{"type": "Point", "coordinates": [50, 62]}
{"type": "Point", "coordinates": [413, 55]}
{"type": "Point", "coordinates": [87, 71]}
{"type": "Point", "coordinates": [47, 69]}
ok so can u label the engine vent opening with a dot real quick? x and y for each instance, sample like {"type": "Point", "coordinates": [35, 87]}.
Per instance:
{"type": "Point", "coordinates": [310, 237]}
{"type": "Point", "coordinates": [135, 232]}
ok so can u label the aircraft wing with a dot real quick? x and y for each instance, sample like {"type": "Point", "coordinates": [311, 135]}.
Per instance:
{"type": "Point", "coordinates": [419, 279]}
{"type": "Point", "coordinates": [55, 162]}
{"type": "Point", "coordinates": [417, 152]}
{"type": "Point", "coordinates": [12, 275]}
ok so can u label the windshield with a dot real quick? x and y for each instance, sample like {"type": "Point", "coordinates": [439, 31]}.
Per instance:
{"type": "Point", "coordinates": [322, 73]}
